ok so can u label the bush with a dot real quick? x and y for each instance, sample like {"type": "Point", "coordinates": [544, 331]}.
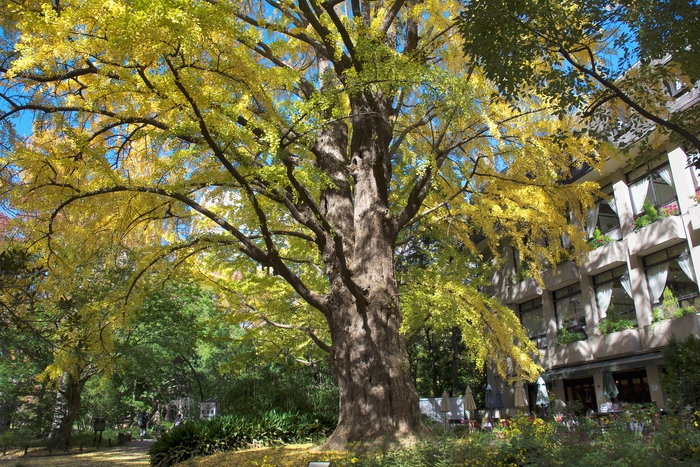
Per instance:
{"type": "Point", "coordinates": [204, 437]}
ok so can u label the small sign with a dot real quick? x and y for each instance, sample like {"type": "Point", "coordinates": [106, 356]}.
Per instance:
{"type": "Point", "coordinates": [100, 424]}
{"type": "Point", "coordinates": [654, 387]}
{"type": "Point", "coordinates": [207, 409]}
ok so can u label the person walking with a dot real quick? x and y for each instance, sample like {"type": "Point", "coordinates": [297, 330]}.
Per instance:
{"type": "Point", "coordinates": [178, 421]}
{"type": "Point", "coordinates": [142, 422]}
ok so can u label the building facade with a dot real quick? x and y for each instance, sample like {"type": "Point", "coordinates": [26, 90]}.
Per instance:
{"type": "Point", "coordinates": [616, 310]}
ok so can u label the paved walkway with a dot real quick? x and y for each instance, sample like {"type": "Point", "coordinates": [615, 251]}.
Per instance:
{"type": "Point", "coordinates": [131, 454]}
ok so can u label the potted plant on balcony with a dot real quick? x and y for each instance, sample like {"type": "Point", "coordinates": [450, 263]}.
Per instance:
{"type": "Point", "coordinates": [564, 336]}
{"type": "Point", "coordinates": [650, 216]}
{"type": "Point", "coordinates": [613, 322]}
{"type": "Point", "coordinates": [599, 239]}
{"type": "Point", "coordinates": [521, 274]}
{"type": "Point", "coordinates": [670, 210]}
{"type": "Point", "coordinates": [670, 308]}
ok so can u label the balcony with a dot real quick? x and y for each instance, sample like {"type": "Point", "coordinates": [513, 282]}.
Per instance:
{"type": "Point", "coordinates": [568, 354]}
{"type": "Point", "coordinates": [606, 257]}
{"type": "Point", "coordinates": [657, 334]}
{"type": "Point", "coordinates": [618, 343]}
{"type": "Point", "coordinates": [657, 236]}
{"type": "Point", "coordinates": [523, 291]}
{"type": "Point", "coordinates": [565, 274]}
{"type": "Point", "coordinates": [694, 216]}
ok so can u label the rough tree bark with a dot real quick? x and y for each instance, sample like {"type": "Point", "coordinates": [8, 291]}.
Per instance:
{"type": "Point", "coordinates": [377, 397]}
{"type": "Point", "coordinates": [71, 394]}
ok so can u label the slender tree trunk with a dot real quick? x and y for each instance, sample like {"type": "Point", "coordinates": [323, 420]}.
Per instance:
{"type": "Point", "coordinates": [433, 364]}
{"type": "Point", "coordinates": [72, 394]}
{"type": "Point", "coordinates": [455, 341]}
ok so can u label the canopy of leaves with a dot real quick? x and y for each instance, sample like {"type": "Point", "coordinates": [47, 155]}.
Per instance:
{"type": "Point", "coordinates": [191, 137]}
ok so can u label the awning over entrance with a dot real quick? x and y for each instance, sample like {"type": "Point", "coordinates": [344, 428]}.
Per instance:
{"type": "Point", "coordinates": [619, 364]}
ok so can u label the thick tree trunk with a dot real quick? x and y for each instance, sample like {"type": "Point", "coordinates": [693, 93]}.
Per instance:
{"type": "Point", "coordinates": [378, 401]}
{"type": "Point", "coordinates": [377, 398]}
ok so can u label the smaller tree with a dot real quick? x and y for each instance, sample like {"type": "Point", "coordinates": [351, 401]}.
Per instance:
{"type": "Point", "coordinates": [681, 380]}
{"type": "Point", "coordinates": [607, 62]}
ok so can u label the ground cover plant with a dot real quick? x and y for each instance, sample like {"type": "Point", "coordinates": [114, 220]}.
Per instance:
{"type": "Point", "coordinates": [233, 432]}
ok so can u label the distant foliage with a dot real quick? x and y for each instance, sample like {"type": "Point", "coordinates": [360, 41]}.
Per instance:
{"type": "Point", "coordinates": [204, 437]}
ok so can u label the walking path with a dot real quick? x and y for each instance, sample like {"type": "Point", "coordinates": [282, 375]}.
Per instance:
{"type": "Point", "coordinates": [131, 454]}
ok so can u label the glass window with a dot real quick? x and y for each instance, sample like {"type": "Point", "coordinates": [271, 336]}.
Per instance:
{"type": "Point", "coordinates": [613, 293]}
{"type": "Point", "coordinates": [532, 318]}
{"type": "Point", "coordinates": [571, 314]}
{"type": "Point", "coordinates": [652, 182]}
{"type": "Point", "coordinates": [671, 268]}
{"type": "Point", "coordinates": [581, 390]}
{"type": "Point", "coordinates": [607, 220]}
{"type": "Point", "coordinates": [633, 386]}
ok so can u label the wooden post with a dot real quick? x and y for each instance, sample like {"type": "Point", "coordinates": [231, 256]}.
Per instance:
{"type": "Point", "coordinates": [26, 448]}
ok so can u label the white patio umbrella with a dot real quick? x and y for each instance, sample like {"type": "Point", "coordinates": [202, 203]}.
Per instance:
{"type": "Point", "coordinates": [542, 399]}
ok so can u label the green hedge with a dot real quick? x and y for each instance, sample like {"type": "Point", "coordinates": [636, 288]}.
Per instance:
{"type": "Point", "coordinates": [204, 437]}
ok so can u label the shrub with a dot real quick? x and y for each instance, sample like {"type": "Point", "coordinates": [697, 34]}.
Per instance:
{"type": "Point", "coordinates": [204, 437]}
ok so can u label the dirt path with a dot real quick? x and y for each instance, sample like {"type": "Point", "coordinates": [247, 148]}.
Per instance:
{"type": "Point", "coordinates": [132, 454]}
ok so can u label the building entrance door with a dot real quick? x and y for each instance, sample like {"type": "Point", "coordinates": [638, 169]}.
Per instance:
{"type": "Point", "coordinates": [581, 390]}
{"type": "Point", "coordinates": [633, 386]}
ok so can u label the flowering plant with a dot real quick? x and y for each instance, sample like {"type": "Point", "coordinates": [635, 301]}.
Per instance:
{"type": "Point", "coordinates": [670, 210]}
{"type": "Point", "coordinates": [696, 198]}
{"type": "Point", "coordinates": [599, 239]}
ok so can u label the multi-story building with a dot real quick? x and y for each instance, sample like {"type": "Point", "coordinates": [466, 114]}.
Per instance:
{"type": "Point", "coordinates": [643, 277]}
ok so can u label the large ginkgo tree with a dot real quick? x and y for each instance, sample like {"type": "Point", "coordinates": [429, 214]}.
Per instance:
{"type": "Point", "coordinates": [292, 152]}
